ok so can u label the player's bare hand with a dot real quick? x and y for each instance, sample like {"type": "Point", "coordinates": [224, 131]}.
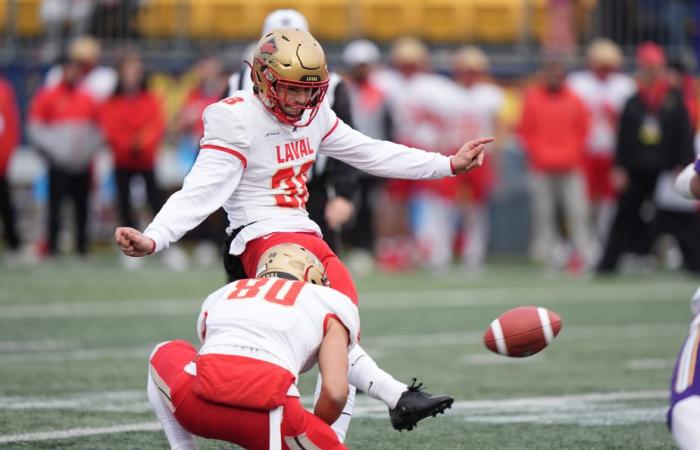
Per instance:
{"type": "Point", "coordinates": [132, 242]}
{"type": "Point", "coordinates": [470, 155]}
{"type": "Point", "coordinates": [338, 211]}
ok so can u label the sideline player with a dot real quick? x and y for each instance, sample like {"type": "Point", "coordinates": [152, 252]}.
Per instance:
{"type": "Point", "coordinates": [255, 154]}
{"type": "Point", "coordinates": [257, 336]}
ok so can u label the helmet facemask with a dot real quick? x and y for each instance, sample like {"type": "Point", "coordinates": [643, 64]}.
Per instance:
{"type": "Point", "coordinates": [290, 75]}
{"type": "Point", "coordinates": [288, 100]}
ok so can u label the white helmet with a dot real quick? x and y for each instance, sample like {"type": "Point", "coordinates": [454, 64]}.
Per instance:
{"type": "Point", "coordinates": [285, 18]}
{"type": "Point", "coordinates": [361, 51]}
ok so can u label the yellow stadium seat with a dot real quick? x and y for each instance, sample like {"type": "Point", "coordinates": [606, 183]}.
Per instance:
{"type": "Point", "coordinates": [538, 22]}
{"type": "Point", "coordinates": [498, 21]}
{"type": "Point", "coordinates": [446, 20]}
{"type": "Point", "coordinates": [331, 20]}
{"type": "Point", "coordinates": [3, 14]}
{"type": "Point", "coordinates": [163, 18]}
{"type": "Point", "coordinates": [226, 19]}
{"type": "Point", "coordinates": [28, 23]}
{"type": "Point", "coordinates": [387, 19]}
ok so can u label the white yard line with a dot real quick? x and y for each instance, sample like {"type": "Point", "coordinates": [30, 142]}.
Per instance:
{"type": "Point", "coordinates": [79, 432]}
{"type": "Point", "coordinates": [603, 408]}
{"type": "Point", "coordinates": [377, 344]}
{"type": "Point", "coordinates": [448, 298]}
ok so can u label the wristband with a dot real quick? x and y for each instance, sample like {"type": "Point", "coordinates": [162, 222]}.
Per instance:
{"type": "Point", "coordinates": [454, 172]}
{"type": "Point", "coordinates": [696, 166]}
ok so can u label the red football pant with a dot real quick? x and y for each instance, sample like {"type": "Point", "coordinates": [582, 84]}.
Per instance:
{"type": "Point", "coordinates": [338, 275]}
{"type": "Point", "coordinates": [245, 427]}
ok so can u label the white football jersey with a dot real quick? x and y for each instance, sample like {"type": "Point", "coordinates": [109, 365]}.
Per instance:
{"type": "Point", "coordinates": [417, 105]}
{"type": "Point", "coordinates": [256, 167]}
{"type": "Point", "coordinates": [605, 100]}
{"type": "Point", "coordinates": [474, 111]}
{"type": "Point", "coordinates": [283, 321]}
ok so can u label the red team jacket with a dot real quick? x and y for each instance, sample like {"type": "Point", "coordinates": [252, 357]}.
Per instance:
{"type": "Point", "coordinates": [9, 125]}
{"type": "Point", "coordinates": [553, 129]}
{"type": "Point", "coordinates": [133, 127]}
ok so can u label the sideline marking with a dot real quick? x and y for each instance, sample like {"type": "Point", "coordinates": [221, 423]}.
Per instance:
{"type": "Point", "coordinates": [594, 409]}
{"type": "Point", "coordinates": [449, 298]}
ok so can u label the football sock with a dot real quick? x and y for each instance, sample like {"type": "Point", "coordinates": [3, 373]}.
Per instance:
{"type": "Point", "coordinates": [341, 425]}
{"type": "Point", "coordinates": [366, 376]}
{"type": "Point", "coordinates": [178, 437]}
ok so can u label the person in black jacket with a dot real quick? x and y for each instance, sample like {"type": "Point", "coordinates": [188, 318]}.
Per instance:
{"type": "Point", "coordinates": [654, 136]}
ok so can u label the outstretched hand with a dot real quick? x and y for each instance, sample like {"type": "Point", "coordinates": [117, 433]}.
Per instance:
{"type": "Point", "coordinates": [132, 242]}
{"type": "Point", "coordinates": [470, 155]}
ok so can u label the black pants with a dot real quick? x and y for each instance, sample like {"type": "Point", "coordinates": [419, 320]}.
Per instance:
{"type": "Point", "coordinates": [76, 186]}
{"type": "Point", "coordinates": [153, 195]}
{"type": "Point", "coordinates": [7, 213]}
{"type": "Point", "coordinates": [316, 206]}
{"type": "Point", "coordinates": [684, 226]}
{"type": "Point", "coordinates": [629, 231]}
{"type": "Point", "coordinates": [360, 233]}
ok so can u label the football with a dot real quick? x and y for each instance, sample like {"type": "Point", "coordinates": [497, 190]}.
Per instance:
{"type": "Point", "coordinates": [522, 331]}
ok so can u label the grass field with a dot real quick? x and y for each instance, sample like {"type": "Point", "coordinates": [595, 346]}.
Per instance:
{"type": "Point", "coordinates": [74, 338]}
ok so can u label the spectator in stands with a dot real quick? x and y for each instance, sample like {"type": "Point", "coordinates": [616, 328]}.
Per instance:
{"type": "Point", "coordinates": [9, 138]}
{"type": "Point", "coordinates": [371, 116]}
{"type": "Point", "coordinates": [654, 136]}
{"type": "Point", "coordinates": [133, 125]}
{"type": "Point", "coordinates": [64, 127]}
{"type": "Point", "coordinates": [98, 81]}
{"type": "Point", "coordinates": [604, 90]}
{"type": "Point", "coordinates": [553, 128]}
{"type": "Point", "coordinates": [477, 113]}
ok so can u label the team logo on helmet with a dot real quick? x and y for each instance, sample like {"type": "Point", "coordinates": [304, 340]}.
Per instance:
{"type": "Point", "coordinates": [269, 47]}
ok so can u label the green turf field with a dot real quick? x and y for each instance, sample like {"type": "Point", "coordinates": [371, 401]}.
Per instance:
{"type": "Point", "coordinates": [74, 338]}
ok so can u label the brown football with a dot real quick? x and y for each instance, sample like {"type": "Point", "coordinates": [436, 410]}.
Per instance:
{"type": "Point", "coordinates": [522, 331]}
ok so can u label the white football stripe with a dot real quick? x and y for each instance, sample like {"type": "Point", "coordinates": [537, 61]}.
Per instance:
{"type": "Point", "coordinates": [546, 325]}
{"type": "Point", "coordinates": [498, 337]}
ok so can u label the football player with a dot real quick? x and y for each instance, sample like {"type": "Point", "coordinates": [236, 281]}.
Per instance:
{"type": "Point", "coordinates": [257, 149]}
{"type": "Point", "coordinates": [257, 336]}
{"type": "Point", "coordinates": [684, 414]}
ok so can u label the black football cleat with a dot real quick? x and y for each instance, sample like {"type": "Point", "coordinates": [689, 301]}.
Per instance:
{"type": "Point", "coordinates": [415, 405]}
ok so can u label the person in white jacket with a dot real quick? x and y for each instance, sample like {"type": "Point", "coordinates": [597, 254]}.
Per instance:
{"type": "Point", "coordinates": [257, 149]}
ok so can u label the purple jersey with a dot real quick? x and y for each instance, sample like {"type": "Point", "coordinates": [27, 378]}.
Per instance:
{"type": "Point", "coordinates": [686, 375]}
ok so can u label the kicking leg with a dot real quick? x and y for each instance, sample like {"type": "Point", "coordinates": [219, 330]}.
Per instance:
{"type": "Point", "coordinates": [407, 404]}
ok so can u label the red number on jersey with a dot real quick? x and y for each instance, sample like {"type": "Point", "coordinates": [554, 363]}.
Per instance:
{"type": "Point", "coordinates": [232, 100]}
{"type": "Point", "coordinates": [247, 289]}
{"type": "Point", "coordinates": [281, 292]}
{"type": "Point", "coordinates": [294, 186]}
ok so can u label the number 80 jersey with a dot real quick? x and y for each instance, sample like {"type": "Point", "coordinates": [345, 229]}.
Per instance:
{"type": "Point", "coordinates": [275, 320]}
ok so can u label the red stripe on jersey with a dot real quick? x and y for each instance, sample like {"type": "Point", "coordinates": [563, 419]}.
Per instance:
{"type": "Point", "coordinates": [230, 151]}
{"type": "Point", "coordinates": [337, 121]}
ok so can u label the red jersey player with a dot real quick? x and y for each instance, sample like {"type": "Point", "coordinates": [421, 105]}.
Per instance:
{"type": "Point", "coordinates": [255, 154]}
{"type": "Point", "coordinates": [257, 336]}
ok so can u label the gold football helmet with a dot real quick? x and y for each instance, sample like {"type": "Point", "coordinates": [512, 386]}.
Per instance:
{"type": "Point", "coordinates": [290, 75]}
{"type": "Point", "coordinates": [293, 262]}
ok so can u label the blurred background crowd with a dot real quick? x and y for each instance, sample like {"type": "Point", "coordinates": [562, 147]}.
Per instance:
{"type": "Point", "coordinates": [594, 105]}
